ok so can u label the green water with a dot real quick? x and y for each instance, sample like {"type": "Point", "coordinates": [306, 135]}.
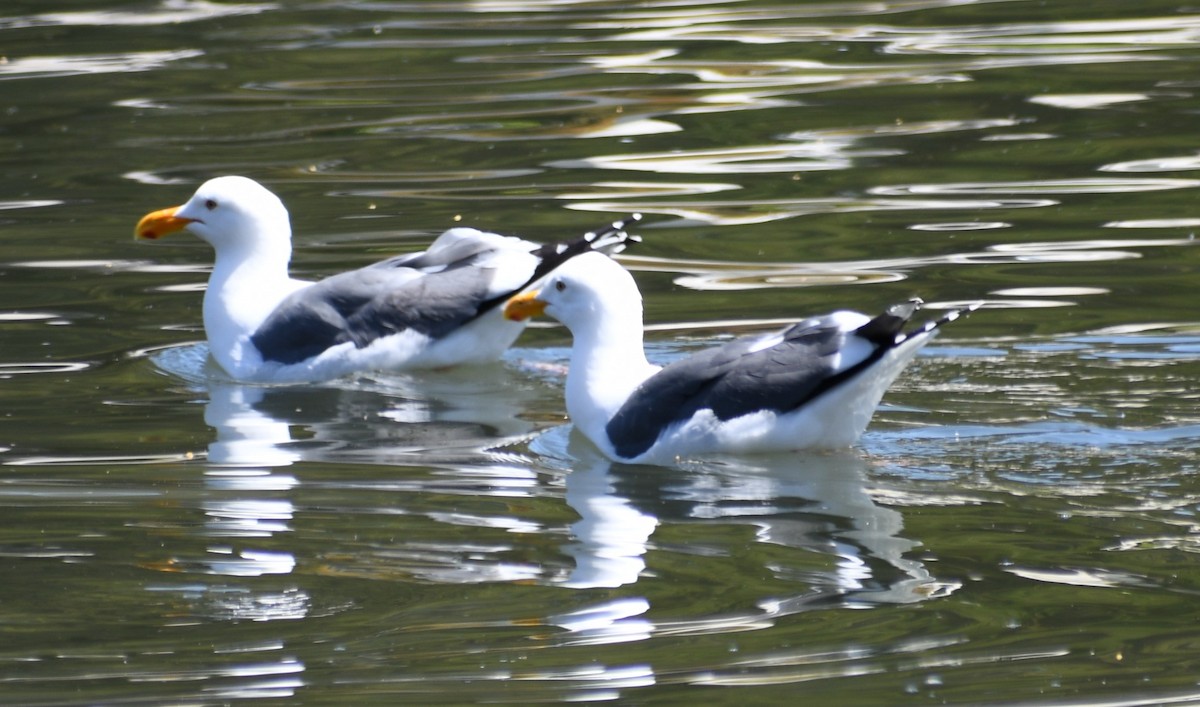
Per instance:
{"type": "Point", "coordinates": [1018, 526]}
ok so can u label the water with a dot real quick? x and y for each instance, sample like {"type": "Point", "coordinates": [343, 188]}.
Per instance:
{"type": "Point", "coordinates": [1018, 526]}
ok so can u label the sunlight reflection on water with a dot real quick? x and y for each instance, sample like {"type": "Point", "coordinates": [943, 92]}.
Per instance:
{"type": "Point", "coordinates": [74, 65]}
{"type": "Point", "coordinates": [166, 12]}
{"type": "Point", "coordinates": [423, 536]}
{"type": "Point", "coordinates": [726, 275]}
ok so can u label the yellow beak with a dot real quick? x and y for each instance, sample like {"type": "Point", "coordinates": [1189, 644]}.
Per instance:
{"type": "Point", "coordinates": [524, 306]}
{"type": "Point", "coordinates": [159, 223]}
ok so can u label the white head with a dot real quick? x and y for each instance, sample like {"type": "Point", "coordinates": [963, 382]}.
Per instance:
{"type": "Point", "coordinates": [588, 293]}
{"type": "Point", "coordinates": [230, 213]}
{"type": "Point", "coordinates": [599, 302]}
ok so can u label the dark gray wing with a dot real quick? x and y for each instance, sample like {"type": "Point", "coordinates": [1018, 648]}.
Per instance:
{"type": "Point", "coordinates": [364, 305]}
{"type": "Point", "coordinates": [740, 378]}
{"type": "Point", "coordinates": [432, 293]}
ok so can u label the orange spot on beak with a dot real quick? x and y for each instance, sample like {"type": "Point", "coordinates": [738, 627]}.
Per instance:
{"type": "Point", "coordinates": [524, 306]}
{"type": "Point", "coordinates": [160, 223]}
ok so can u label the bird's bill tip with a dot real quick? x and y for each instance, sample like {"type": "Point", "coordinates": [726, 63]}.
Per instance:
{"type": "Point", "coordinates": [157, 224]}
{"type": "Point", "coordinates": [524, 306]}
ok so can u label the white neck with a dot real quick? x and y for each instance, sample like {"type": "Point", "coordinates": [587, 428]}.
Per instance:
{"type": "Point", "coordinates": [608, 362]}
{"type": "Point", "coordinates": [248, 282]}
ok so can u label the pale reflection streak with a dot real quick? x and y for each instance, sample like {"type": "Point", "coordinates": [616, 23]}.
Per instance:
{"type": "Point", "coordinates": [528, 191]}
{"type": "Point", "coordinates": [616, 621]}
{"type": "Point", "coordinates": [1056, 40]}
{"type": "Point", "coordinates": [596, 682]}
{"type": "Point", "coordinates": [1088, 100]}
{"type": "Point", "coordinates": [617, 111]}
{"type": "Point", "coordinates": [818, 505]}
{"type": "Point", "coordinates": [111, 266]}
{"type": "Point", "coordinates": [260, 679]}
{"type": "Point", "coordinates": [29, 204]}
{"type": "Point", "coordinates": [719, 85]}
{"type": "Point", "coordinates": [7, 370]}
{"type": "Point", "coordinates": [915, 197]}
{"type": "Point", "coordinates": [248, 446]}
{"type": "Point", "coordinates": [837, 486]}
{"type": "Point", "coordinates": [809, 157]}
{"type": "Point", "coordinates": [1183, 163]}
{"type": "Point", "coordinates": [266, 679]}
{"type": "Point", "coordinates": [731, 275]}
{"type": "Point", "coordinates": [608, 543]}
{"type": "Point", "coordinates": [452, 418]}
{"type": "Point", "coordinates": [815, 504]}
{"type": "Point", "coordinates": [427, 418]}
{"type": "Point", "coordinates": [805, 151]}
{"type": "Point", "coordinates": [1040, 187]}
{"type": "Point", "coordinates": [81, 64]}
{"type": "Point", "coordinates": [723, 86]}
{"type": "Point", "coordinates": [767, 84]}
{"type": "Point", "coordinates": [1083, 577]}
{"type": "Point", "coordinates": [1155, 223]}
{"type": "Point", "coordinates": [165, 12]}
{"type": "Point", "coordinates": [238, 514]}
{"type": "Point", "coordinates": [996, 42]}
{"type": "Point", "coordinates": [729, 212]}
{"type": "Point", "coordinates": [798, 666]}
{"type": "Point", "coordinates": [245, 436]}
{"type": "Point", "coordinates": [923, 197]}
{"type": "Point", "coordinates": [611, 535]}
{"type": "Point", "coordinates": [746, 85]}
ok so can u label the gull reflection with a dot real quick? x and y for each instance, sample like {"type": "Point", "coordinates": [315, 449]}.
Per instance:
{"type": "Point", "coordinates": [247, 499]}
{"type": "Point", "coordinates": [819, 503]}
{"type": "Point", "coordinates": [245, 436]}
{"type": "Point", "coordinates": [872, 565]}
{"type": "Point", "coordinates": [611, 534]}
{"type": "Point", "coordinates": [615, 621]}
{"type": "Point", "coordinates": [402, 419]}
{"type": "Point", "coordinates": [428, 418]}
{"type": "Point", "coordinates": [248, 445]}
{"type": "Point", "coordinates": [451, 419]}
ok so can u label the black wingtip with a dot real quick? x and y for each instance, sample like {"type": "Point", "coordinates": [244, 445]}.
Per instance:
{"type": "Point", "coordinates": [614, 238]}
{"type": "Point", "coordinates": [609, 240]}
{"type": "Point", "coordinates": [946, 318]}
{"type": "Point", "coordinates": [888, 328]}
{"type": "Point", "coordinates": [955, 313]}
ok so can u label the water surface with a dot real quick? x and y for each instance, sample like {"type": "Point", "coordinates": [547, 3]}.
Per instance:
{"type": "Point", "coordinates": [1018, 526]}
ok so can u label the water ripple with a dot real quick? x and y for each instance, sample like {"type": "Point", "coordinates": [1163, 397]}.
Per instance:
{"type": "Point", "coordinates": [1082, 185]}
{"type": "Point", "coordinates": [735, 160]}
{"type": "Point", "coordinates": [1155, 223]}
{"type": "Point", "coordinates": [803, 151]}
{"type": "Point", "coordinates": [733, 275]}
{"type": "Point", "coordinates": [7, 370]}
{"type": "Point", "coordinates": [488, 553]}
{"type": "Point", "coordinates": [1088, 101]}
{"type": "Point", "coordinates": [100, 459]}
{"type": "Point", "coordinates": [28, 316]}
{"type": "Point", "coordinates": [29, 204]}
{"type": "Point", "coordinates": [1082, 577]}
{"type": "Point", "coordinates": [83, 64]}
{"type": "Point", "coordinates": [726, 212]}
{"type": "Point", "coordinates": [167, 12]}
{"type": "Point", "coordinates": [1186, 163]}
{"type": "Point", "coordinates": [954, 227]}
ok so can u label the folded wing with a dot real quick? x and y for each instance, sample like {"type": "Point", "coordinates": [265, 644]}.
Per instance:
{"type": "Point", "coordinates": [779, 372]}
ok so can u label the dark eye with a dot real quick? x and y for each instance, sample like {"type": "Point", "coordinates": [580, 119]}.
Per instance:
{"type": "Point", "coordinates": [560, 285]}
{"type": "Point", "coordinates": [210, 204]}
